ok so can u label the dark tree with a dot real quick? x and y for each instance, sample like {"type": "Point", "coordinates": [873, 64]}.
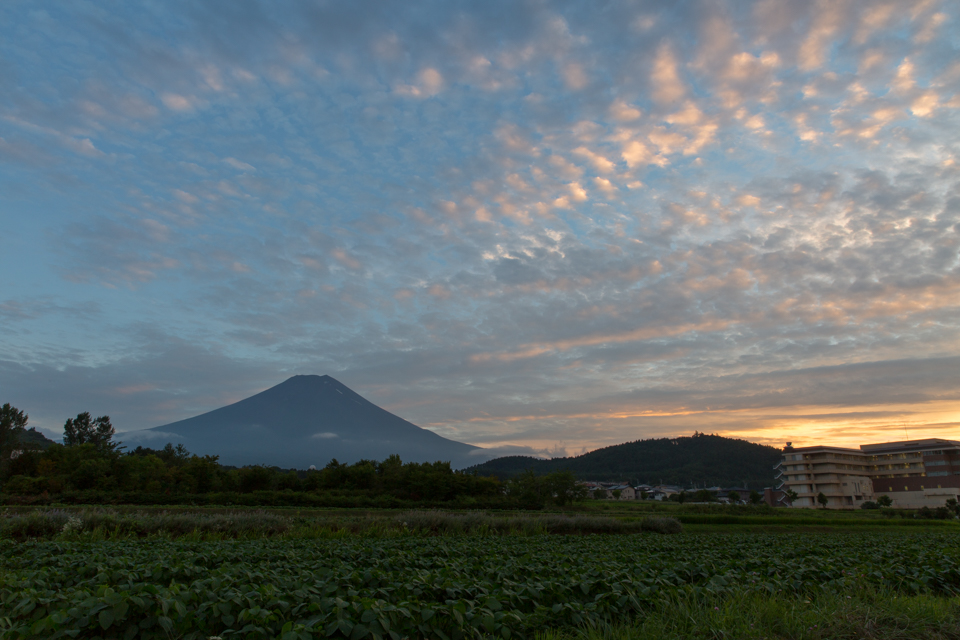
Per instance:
{"type": "Point", "coordinates": [822, 499]}
{"type": "Point", "coordinates": [703, 495]}
{"type": "Point", "coordinates": [289, 481]}
{"type": "Point", "coordinates": [203, 471]}
{"type": "Point", "coordinates": [13, 422]}
{"type": "Point", "coordinates": [86, 430]}
{"type": "Point", "coordinates": [755, 497]}
{"type": "Point", "coordinates": [884, 501]}
{"type": "Point", "coordinates": [258, 478]}
{"type": "Point", "coordinates": [174, 455]}
{"type": "Point", "coordinates": [562, 487]}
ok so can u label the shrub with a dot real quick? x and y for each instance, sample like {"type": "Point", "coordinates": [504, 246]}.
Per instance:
{"type": "Point", "coordinates": [661, 525]}
{"type": "Point", "coordinates": [257, 478]}
{"type": "Point", "coordinates": [35, 524]}
{"type": "Point", "coordinates": [24, 486]}
{"type": "Point", "coordinates": [48, 524]}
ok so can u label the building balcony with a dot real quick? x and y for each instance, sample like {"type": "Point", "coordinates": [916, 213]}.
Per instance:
{"type": "Point", "coordinates": [842, 469]}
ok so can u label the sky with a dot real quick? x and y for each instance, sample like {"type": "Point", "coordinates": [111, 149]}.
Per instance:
{"type": "Point", "coordinates": [538, 227]}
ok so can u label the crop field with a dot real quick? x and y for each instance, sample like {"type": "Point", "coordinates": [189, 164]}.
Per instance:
{"type": "Point", "coordinates": [447, 587]}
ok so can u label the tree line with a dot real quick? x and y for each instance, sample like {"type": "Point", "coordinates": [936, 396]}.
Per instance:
{"type": "Point", "coordinates": [91, 466]}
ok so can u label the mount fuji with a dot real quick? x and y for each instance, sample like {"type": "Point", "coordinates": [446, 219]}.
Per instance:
{"type": "Point", "coordinates": [308, 420]}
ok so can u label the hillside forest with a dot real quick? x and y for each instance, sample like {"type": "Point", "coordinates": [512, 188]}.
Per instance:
{"type": "Point", "coordinates": [698, 460]}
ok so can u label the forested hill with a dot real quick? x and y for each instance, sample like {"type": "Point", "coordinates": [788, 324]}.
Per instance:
{"type": "Point", "coordinates": [35, 439]}
{"type": "Point", "coordinates": [699, 459]}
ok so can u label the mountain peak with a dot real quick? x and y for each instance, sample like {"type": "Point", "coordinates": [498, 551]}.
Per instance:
{"type": "Point", "coordinates": [308, 380]}
{"type": "Point", "coordinates": [307, 377]}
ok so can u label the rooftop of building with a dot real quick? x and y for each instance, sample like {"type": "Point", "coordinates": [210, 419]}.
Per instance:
{"type": "Point", "coordinates": [819, 447]}
{"type": "Point", "coordinates": [910, 445]}
{"type": "Point", "coordinates": [882, 447]}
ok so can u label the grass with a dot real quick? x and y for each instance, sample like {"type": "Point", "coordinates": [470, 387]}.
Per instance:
{"type": "Point", "coordinates": [865, 615]}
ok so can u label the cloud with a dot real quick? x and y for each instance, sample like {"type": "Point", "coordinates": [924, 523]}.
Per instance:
{"type": "Point", "coordinates": [148, 437]}
{"type": "Point", "coordinates": [518, 224]}
{"type": "Point", "coordinates": [828, 18]}
{"type": "Point", "coordinates": [623, 112]}
{"type": "Point", "coordinates": [429, 83]}
{"type": "Point", "coordinates": [931, 27]}
{"type": "Point", "coordinates": [575, 76]}
{"type": "Point", "coordinates": [665, 76]}
{"type": "Point", "coordinates": [158, 379]}
{"type": "Point", "coordinates": [636, 153]}
{"type": "Point", "coordinates": [238, 165]}
{"type": "Point", "coordinates": [599, 162]}
{"type": "Point", "coordinates": [604, 185]}
{"type": "Point", "coordinates": [177, 102]}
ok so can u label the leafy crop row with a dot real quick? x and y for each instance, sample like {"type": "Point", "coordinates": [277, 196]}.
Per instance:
{"type": "Point", "coordinates": [439, 587]}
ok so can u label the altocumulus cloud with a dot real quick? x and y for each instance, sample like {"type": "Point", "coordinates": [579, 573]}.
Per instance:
{"type": "Point", "coordinates": [517, 224]}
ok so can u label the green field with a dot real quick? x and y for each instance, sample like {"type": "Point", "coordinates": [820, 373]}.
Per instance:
{"type": "Point", "coordinates": [431, 581]}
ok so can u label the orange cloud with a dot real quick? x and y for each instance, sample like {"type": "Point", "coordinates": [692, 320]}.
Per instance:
{"type": "Point", "coordinates": [637, 335]}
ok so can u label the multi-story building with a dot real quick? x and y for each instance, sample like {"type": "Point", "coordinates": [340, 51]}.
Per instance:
{"type": "Point", "coordinates": [914, 473]}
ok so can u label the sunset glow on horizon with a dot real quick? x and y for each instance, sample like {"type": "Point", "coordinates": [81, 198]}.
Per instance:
{"type": "Point", "coordinates": [536, 227]}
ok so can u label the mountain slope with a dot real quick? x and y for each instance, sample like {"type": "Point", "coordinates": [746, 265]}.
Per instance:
{"type": "Point", "coordinates": [699, 459]}
{"type": "Point", "coordinates": [35, 440]}
{"type": "Point", "coordinates": [306, 420]}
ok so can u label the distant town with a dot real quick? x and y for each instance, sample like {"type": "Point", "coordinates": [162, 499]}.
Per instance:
{"type": "Point", "coordinates": [912, 474]}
